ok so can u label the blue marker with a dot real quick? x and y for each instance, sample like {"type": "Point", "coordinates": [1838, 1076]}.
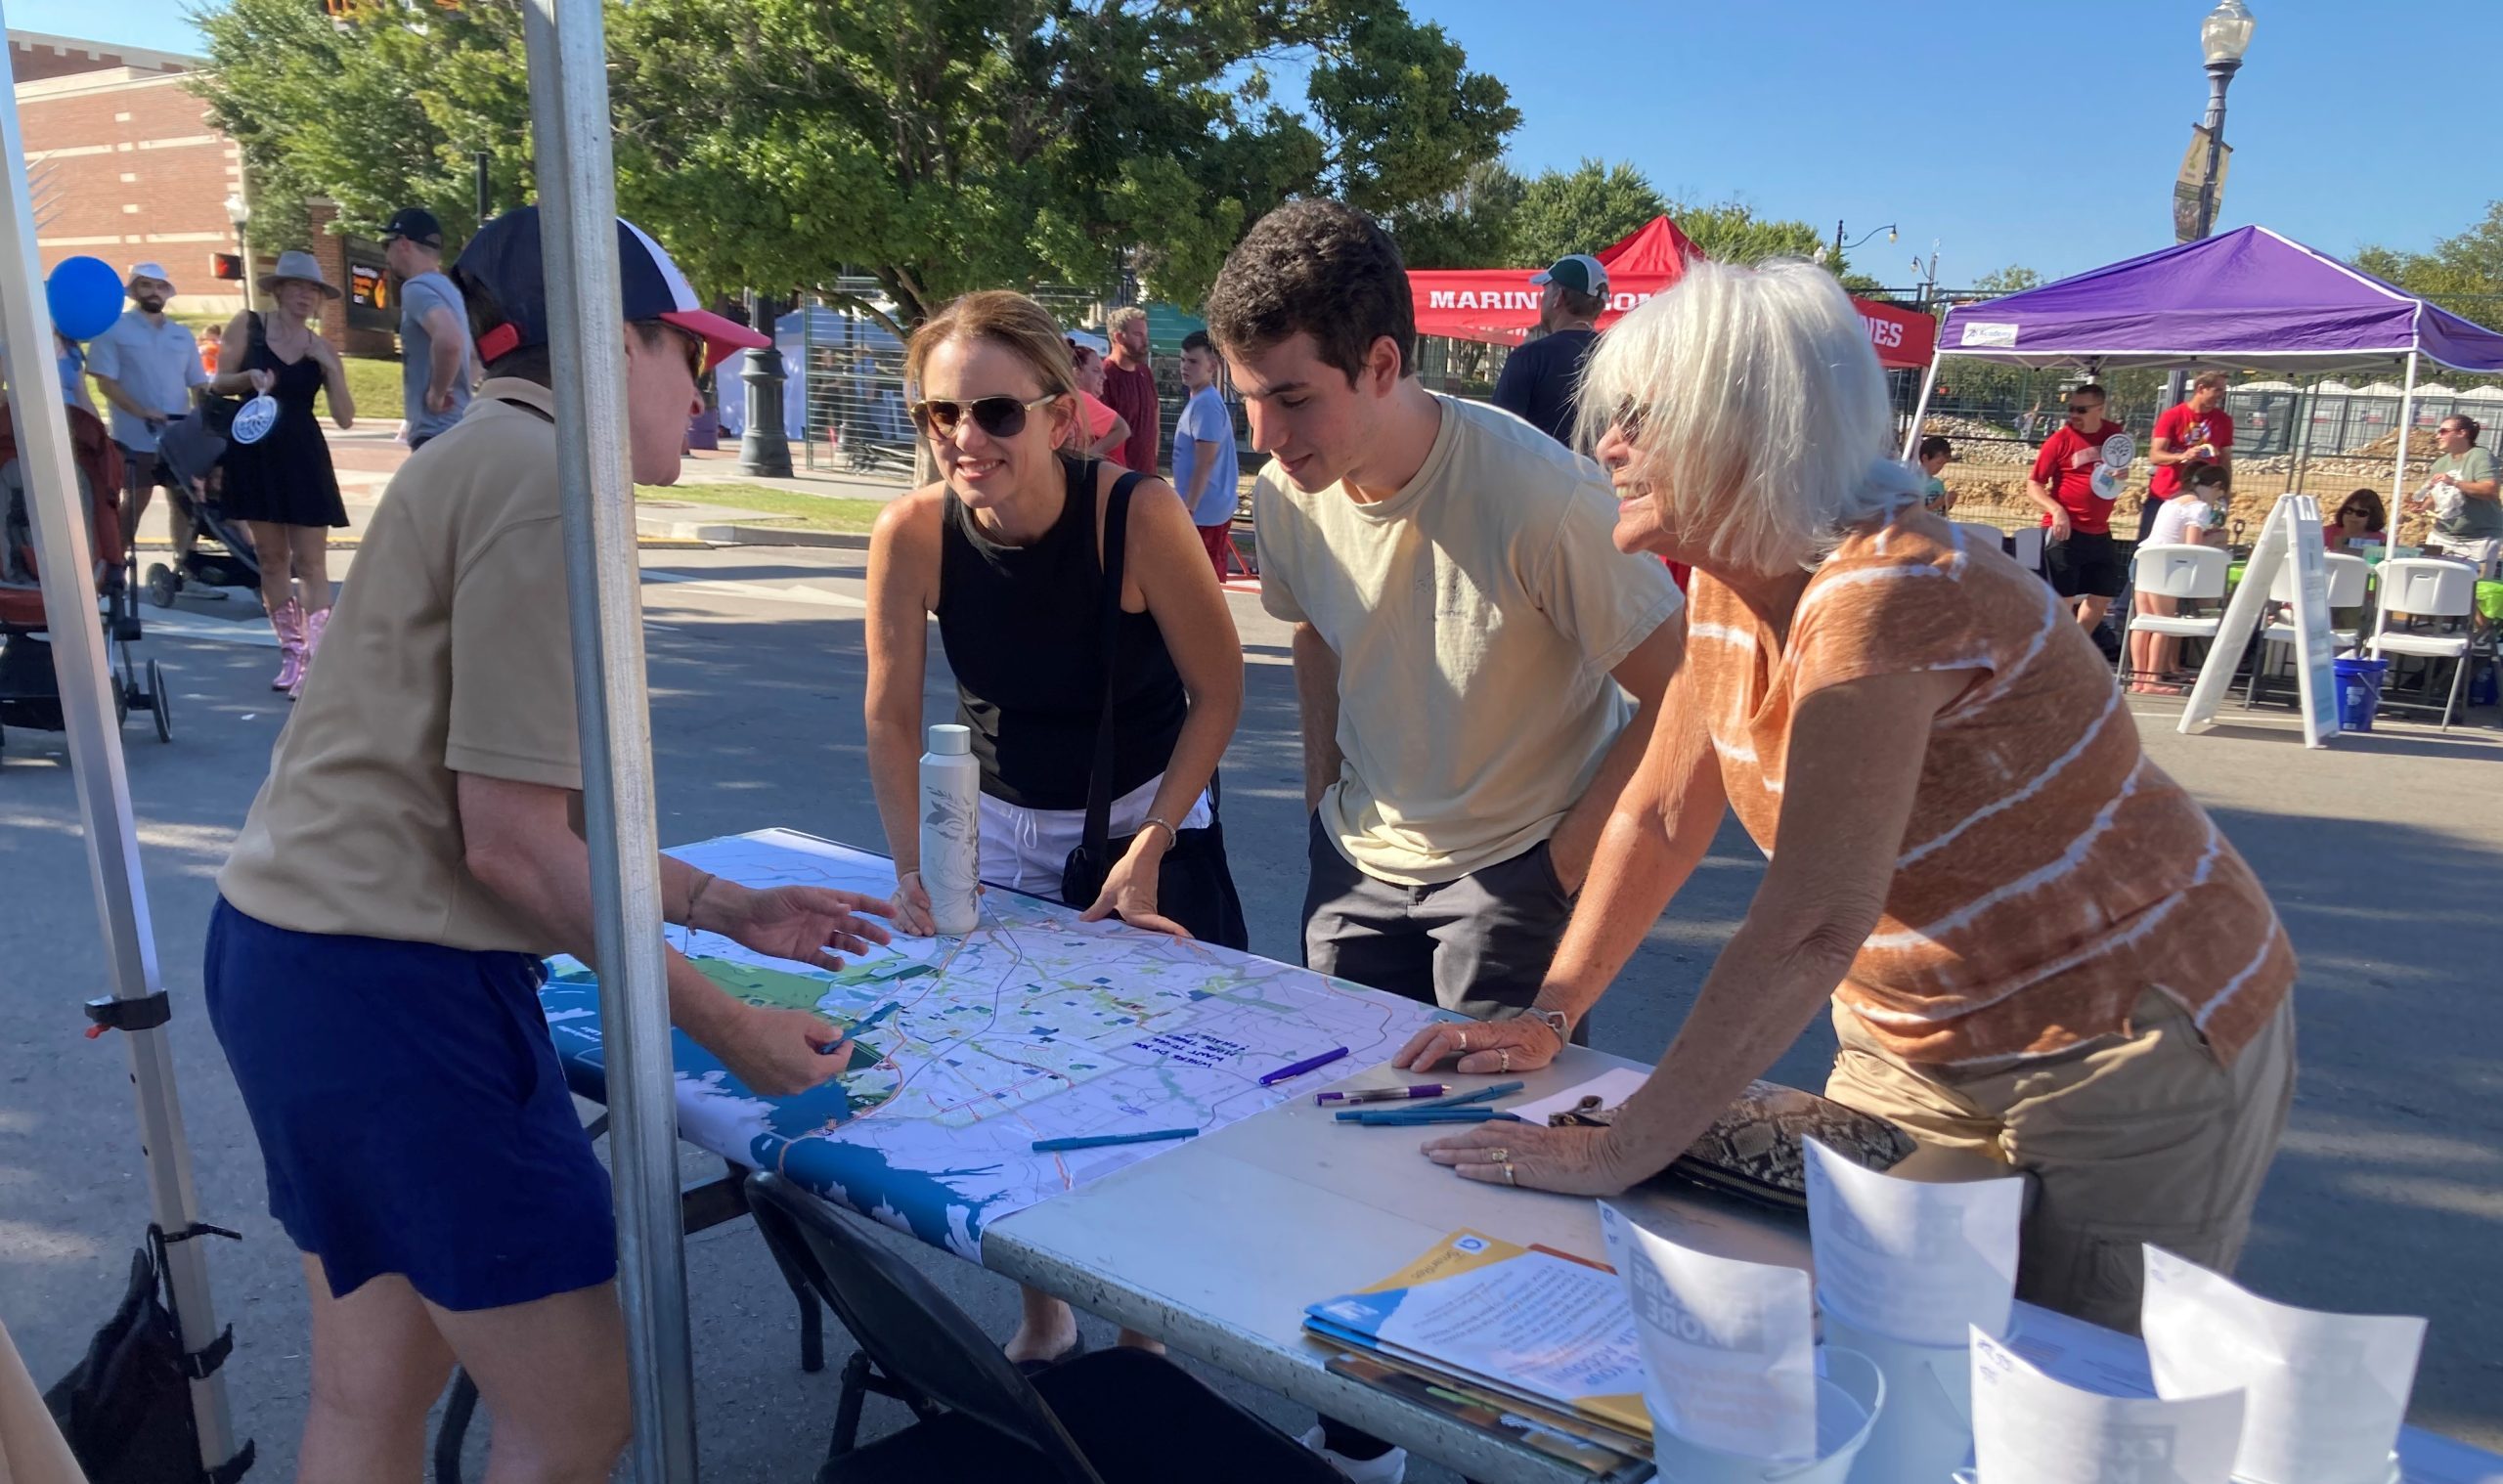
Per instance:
{"type": "Point", "coordinates": [1100, 1140]}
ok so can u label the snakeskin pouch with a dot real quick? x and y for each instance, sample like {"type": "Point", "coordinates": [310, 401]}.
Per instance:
{"type": "Point", "coordinates": [1753, 1149]}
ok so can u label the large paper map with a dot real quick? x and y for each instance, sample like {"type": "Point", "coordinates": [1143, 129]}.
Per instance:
{"type": "Point", "coordinates": [966, 1051]}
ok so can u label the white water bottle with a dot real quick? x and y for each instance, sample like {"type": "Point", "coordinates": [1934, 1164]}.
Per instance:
{"type": "Point", "coordinates": [950, 838]}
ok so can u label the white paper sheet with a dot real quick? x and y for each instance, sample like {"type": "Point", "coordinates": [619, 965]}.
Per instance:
{"type": "Point", "coordinates": [1728, 1348]}
{"type": "Point", "coordinates": [1915, 1261]}
{"type": "Point", "coordinates": [2031, 1430]}
{"type": "Point", "coordinates": [2326, 1394]}
{"type": "Point", "coordinates": [1612, 1087]}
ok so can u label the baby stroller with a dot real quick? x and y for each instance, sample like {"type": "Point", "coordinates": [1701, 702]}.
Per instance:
{"type": "Point", "coordinates": [221, 553]}
{"type": "Point", "coordinates": [29, 689]}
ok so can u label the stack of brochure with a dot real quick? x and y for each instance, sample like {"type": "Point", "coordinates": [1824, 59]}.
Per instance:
{"type": "Point", "coordinates": [1526, 1342]}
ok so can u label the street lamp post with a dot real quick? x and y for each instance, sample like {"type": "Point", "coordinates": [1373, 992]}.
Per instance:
{"type": "Point", "coordinates": [1839, 249]}
{"type": "Point", "coordinates": [765, 448]}
{"type": "Point", "coordinates": [2223, 37]}
{"type": "Point", "coordinates": [240, 211]}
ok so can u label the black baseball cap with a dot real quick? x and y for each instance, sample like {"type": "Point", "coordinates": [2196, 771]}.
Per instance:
{"type": "Point", "coordinates": [417, 224]}
{"type": "Point", "coordinates": [505, 256]}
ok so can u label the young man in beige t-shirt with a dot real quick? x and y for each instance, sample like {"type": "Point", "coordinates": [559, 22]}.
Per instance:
{"type": "Point", "coordinates": [1469, 645]}
{"type": "Point", "coordinates": [1475, 660]}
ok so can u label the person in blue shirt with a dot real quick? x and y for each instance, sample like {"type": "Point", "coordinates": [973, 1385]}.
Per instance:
{"type": "Point", "coordinates": [1204, 455]}
{"type": "Point", "coordinates": [1542, 381]}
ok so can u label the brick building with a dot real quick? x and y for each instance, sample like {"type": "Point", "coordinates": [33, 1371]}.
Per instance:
{"type": "Point", "coordinates": [129, 160]}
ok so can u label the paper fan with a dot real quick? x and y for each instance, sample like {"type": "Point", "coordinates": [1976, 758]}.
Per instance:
{"type": "Point", "coordinates": [254, 419]}
{"type": "Point", "coordinates": [2120, 451]}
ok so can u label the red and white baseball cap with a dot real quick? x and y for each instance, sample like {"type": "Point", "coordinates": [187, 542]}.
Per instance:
{"type": "Point", "coordinates": [506, 257]}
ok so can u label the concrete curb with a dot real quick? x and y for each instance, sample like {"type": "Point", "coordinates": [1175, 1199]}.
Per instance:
{"type": "Point", "coordinates": [733, 534]}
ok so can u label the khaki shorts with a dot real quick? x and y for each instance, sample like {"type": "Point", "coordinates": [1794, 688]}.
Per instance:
{"type": "Point", "coordinates": [2130, 1139]}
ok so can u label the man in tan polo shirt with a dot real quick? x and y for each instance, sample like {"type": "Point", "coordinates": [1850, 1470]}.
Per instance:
{"type": "Point", "coordinates": [374, 964]}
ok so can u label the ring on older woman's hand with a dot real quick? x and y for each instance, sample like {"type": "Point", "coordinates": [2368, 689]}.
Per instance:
{"type": "Point", "coordinates": [1461, 1036]}
{"type": "Point", "coordinates": [1505, 1053]}
{"type": "Point", "coordinates": [1498, 1155]}
{"type": "Point", "coordinates": [1507, 1176]}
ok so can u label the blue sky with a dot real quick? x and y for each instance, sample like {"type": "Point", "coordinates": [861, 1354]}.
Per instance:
{"type": "Point", "coordinates": [2009, 131]}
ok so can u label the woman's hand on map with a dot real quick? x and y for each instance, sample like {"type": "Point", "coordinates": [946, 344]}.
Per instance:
{"type": "Point", "coordinates": [1130, 888]}
{"type": "Point", "coordinates": [1519, 1044]}
{"type": "Point", "coordinates": [807, 925]}
{"type": "Point", "coordinates": [776, 1052]}
{"type": "Point", "coordinates": [1577, 1161]}
{"type": "Point", "coordinates": [910, 906]}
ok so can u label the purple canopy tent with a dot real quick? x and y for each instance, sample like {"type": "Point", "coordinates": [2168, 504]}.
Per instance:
{"type": "Point", "coordinates": [2248, 299]}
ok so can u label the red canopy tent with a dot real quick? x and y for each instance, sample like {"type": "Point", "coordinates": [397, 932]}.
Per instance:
{"type": "Point", "coordinates": [1499, 307]}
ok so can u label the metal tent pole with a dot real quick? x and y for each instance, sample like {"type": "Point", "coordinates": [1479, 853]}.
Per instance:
{"type": "Point", "coordinates": [577, 196]}
{"type": "Point", "coordinates": [2397, 491]}
{"type": "Point", "coordinates": [66, 563]}
{"type": "Point", "coordinates": [1921, 408]}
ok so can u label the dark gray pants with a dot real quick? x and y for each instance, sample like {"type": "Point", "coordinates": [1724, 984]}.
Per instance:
{"type": "Point", "coordinates": [1479, 944]}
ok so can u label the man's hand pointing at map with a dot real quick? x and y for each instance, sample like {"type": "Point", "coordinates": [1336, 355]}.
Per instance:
{"type": "Point", "coordinates": [806, 925]}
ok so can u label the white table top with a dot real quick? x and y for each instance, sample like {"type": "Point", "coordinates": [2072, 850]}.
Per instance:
{"type": "Point", "coordinates": [1217, 1246]}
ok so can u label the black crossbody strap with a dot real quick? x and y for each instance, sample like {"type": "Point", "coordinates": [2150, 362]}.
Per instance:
{"type": "Point", "coordinates": [1099, 784]}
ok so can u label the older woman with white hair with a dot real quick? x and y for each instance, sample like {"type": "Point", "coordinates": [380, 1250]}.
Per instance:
{"type": "Point", "coordinates": [2035, 944]}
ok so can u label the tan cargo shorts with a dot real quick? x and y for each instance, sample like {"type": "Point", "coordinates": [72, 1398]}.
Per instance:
{"type": "Point", "coordinates": [2131, 1138]}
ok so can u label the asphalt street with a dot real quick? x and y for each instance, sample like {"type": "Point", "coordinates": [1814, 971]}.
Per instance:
{"type": "Point", "coordinates": [2385, 856]}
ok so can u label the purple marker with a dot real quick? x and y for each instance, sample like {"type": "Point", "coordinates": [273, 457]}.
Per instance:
{"type": "Point", "coordinates": [1298, 1068]}
{"type": "Point", "coordinates": [1384, 1094]}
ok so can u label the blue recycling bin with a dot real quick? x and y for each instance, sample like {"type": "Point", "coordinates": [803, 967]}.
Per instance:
{"type": "Point", "coordinates": [2359, 692]}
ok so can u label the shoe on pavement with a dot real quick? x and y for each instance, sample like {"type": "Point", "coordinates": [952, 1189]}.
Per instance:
{"type": "Point", "coordinates": [1390, 1469]}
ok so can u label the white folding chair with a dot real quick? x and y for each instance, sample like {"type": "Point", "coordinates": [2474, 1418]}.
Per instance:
{"type": "Point", "coordinates": [1982, 534]}
{"type": "Point", "coordinates": [2430, 588]}
{"type": "Point", "coordinates": [2347, 580]}
{"type": "Point", "coordinates": [2191, 573]}
{"type": "Point", "coordinates": [2028, 548]}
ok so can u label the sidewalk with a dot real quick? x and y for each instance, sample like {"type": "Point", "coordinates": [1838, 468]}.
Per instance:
{"type": "Point", "coordinates": [365, 457]}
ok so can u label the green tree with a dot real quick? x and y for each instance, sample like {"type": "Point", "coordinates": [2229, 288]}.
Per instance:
{"type": "Point", "coordinates": [934, 145]}
{"type": "Point", "coordinates": [2463, 274]}
{"type": "Point", "coordinates": [1582, 210]}
{"type": "Point", "coordinates": [1468, 228]}
{"type": "Point", "coordinates": [2013, 279]}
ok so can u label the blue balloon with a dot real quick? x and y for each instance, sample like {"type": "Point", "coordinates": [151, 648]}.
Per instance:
{"type": "Point", "coordinates": [85, 294]}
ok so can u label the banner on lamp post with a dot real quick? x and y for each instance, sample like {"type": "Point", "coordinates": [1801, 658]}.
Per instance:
{"type": "Point", "coordinates": [2194, 174]}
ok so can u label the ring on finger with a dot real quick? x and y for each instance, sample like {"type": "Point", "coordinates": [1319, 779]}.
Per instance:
{"type": "Point", "coordinates": [1505, 1056]}
{"type": "Point", "coordinates": [1461, 1036]}
{"type": "Point", "coordinates": [1498, 1155]}
{"type": "Point", "coordinates": [1507, 1176]}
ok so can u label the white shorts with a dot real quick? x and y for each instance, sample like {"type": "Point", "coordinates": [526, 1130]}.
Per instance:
{"type": "Point", "coordinates": [1024, 850]}
{"type": "Point", "coordinates": [2468, 549]}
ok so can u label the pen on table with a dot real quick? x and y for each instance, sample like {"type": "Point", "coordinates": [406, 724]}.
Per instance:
{"type": "Point", "coordinates": [1298, 1068]}
{"type": "Point", "coordinates": [1384, 1094]}
{"type": "Point", "coordinates": [1100, 1140]}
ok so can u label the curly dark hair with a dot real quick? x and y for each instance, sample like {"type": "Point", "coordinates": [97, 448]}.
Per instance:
{"type": "Point", "coordinates": [1324, 269]}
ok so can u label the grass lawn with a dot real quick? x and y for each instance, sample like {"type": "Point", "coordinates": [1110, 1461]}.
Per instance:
{"type": "Point", "coordinates": [782, 508]}
{"type": "Point", "coordinates": [375, 386]}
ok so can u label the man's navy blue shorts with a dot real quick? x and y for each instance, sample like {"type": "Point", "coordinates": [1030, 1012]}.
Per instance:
{"type": "Point", "coordinates": [411, 1112]}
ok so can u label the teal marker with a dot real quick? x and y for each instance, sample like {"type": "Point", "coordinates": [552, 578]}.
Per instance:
{"type": "Point", "coordinates": [1100, 1140]}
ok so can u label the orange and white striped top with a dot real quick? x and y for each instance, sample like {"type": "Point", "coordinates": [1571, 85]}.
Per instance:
{"type": "Point", "coordinates": [2051, 872]}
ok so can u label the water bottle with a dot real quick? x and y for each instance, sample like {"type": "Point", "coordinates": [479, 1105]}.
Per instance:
{"type": "Point", "coordinates": [951, 840]}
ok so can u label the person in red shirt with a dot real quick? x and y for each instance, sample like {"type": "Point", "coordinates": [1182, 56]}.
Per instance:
{"type": "Point", "coordinates": [2197, 431]}
{"type": "Point", "coordinates": [1130, 385]}
{"type": "Point", "coordinates": [2079, 554]}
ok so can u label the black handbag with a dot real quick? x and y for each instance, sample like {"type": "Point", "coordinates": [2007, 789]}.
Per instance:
{"type": "Point", "coordinates": [1193, 885]}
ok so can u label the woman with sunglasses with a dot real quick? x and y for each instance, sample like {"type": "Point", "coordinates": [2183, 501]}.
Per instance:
{"type": "Point", "coordinates": [1009, 552]}
{"type": "Point", "coordinates": [2361, 520]}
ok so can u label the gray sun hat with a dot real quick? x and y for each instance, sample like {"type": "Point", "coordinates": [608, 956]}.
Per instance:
{"type": "Point", "coordinates": [300, 265]}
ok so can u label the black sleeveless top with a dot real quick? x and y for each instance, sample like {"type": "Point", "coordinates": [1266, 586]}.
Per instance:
{"type": "Point", "coordinates": [1022, 626]}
